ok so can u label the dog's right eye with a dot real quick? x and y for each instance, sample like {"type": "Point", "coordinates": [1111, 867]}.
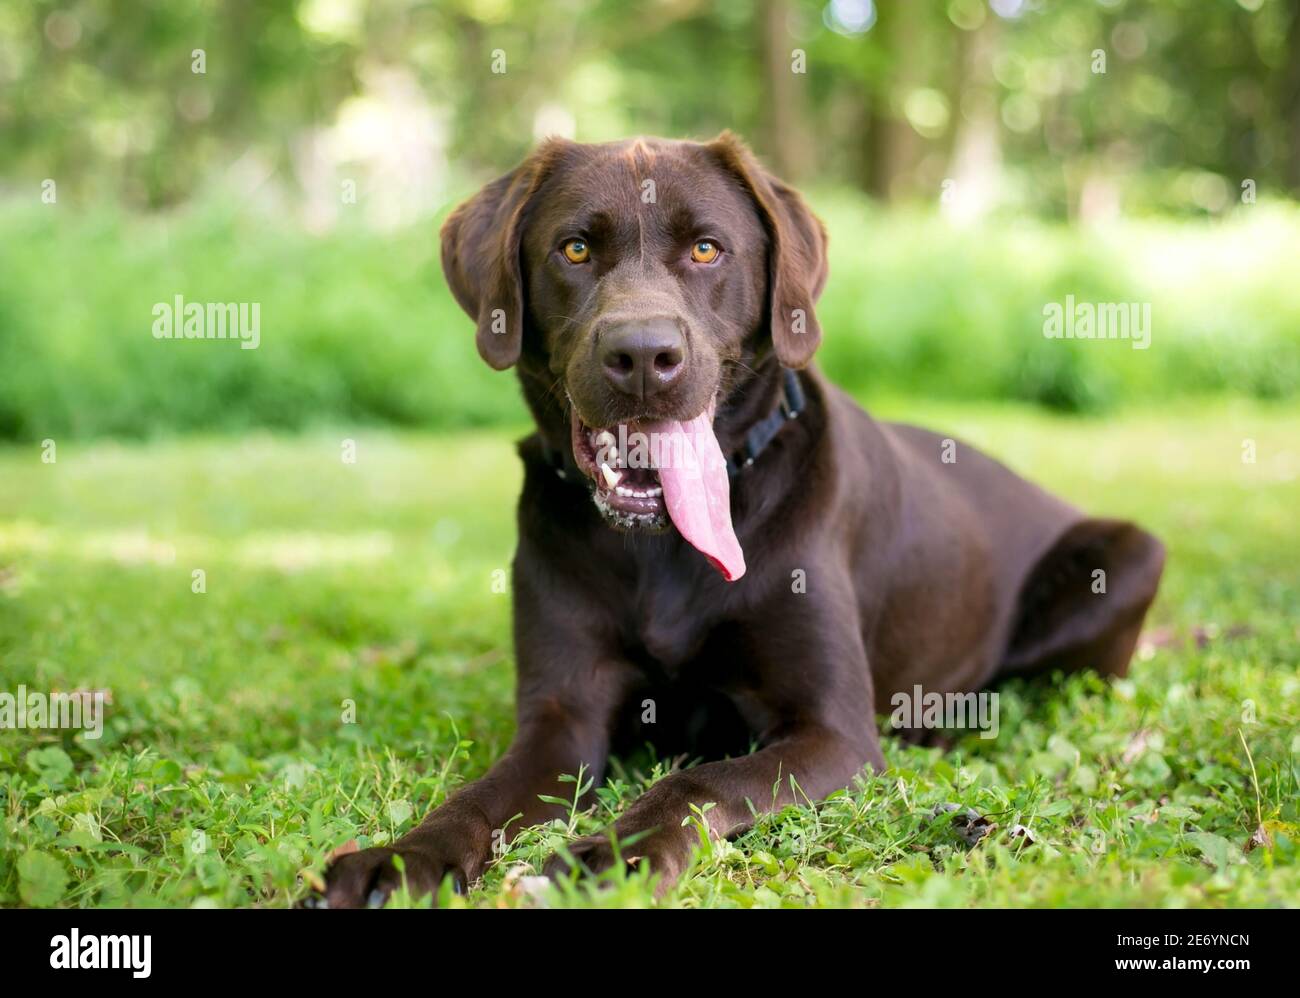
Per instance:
{"type": "Point", "coordinates": [577, 251]}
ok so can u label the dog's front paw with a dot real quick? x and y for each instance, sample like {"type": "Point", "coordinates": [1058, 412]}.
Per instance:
{"type": "Point", "coordinates": [367, 878]}
{"type": "Point", "coordinates": [667, 855]}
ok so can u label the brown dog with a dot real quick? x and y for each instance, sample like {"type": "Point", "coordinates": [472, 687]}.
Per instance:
{"type": "Point", "coordinates": [712, 542]}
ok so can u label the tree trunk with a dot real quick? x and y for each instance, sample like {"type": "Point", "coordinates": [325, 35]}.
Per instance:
{"type": "Point", "coordinates": [975, 166]}
{"type": "Point", "coordinates": [1290, 99]}
{"type": "Point", "coordinates": [893, 144]}
{"type": "Point", "coordinates": [786, 135]}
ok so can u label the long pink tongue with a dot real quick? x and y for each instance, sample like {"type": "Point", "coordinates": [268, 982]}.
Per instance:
{"type": "Point", "coordinates": [693, 474]}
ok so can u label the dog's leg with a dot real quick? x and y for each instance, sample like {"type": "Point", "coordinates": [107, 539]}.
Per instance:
{"type": "Point", "coordinates": [456, 839]}
{"type": "Point", "coordinates": [827, 738]}
{"type": "Point", "coordinates": [568, 691]}
{"type": "Point", "coordinates": [1083, 604]}
{"type": "Point", "coordinates": [818, 760]}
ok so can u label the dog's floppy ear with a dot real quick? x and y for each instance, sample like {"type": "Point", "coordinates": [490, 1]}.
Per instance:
{"type": "Point", "coordinates": [797, 257]}
{"type": "Point", "coordinates": [480, 255]}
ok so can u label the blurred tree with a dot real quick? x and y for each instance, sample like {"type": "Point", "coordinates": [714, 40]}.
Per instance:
{"type": "Point", "coordinates": [1005, 98]}
{"type": "Point", "coordinates": [786, 133]}
{"type": "Point", "coordinates": [1288, 100]}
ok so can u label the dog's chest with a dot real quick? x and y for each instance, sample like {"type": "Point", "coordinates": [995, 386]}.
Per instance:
{"type": "Point", "coordinates": [668, 624]}
{"type": "Point", "coordinates": [693, 671]}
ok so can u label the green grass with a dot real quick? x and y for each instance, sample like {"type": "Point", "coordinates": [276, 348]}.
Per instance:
{"type": "Point", "coordinates": [225, 772]}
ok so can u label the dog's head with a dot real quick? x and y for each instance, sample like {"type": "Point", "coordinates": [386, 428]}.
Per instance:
{"type": "Point", "coordinates": [640, 278]}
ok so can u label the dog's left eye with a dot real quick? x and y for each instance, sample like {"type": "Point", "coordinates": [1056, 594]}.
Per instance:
{"type": "Point", "coordinates": [577, 251]}
{"type": "Point", "coordinates": [705, 251]}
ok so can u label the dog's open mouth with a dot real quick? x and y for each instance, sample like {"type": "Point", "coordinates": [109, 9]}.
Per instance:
{"type": "Point", "coordinates": [646, 475]}
{"type": "Point", "coordinates": [627, 489]}
{"type": "Point", "coordinates": [625, 484]}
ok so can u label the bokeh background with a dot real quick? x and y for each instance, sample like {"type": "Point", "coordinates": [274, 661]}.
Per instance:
{"type": "Point", "coordinates": [970, 159]}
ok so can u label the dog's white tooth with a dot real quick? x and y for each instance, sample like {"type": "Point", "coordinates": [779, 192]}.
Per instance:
{"type": "Point", "coordinates": [611, 476]}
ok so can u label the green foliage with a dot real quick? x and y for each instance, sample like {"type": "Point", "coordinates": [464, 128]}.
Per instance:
{"type": "Point", "coordinates": [228, 768]}
{"type": "Point", "coordinates": [354, 327]}
{"type": "Point", "coordinates": [359, 327]}
{"type": "Point", "coordinates": [224, 186]}
{"type": "Point", "coordinates": [1194, 97]}
{"type": "Point", "coordinates": [920, 306]}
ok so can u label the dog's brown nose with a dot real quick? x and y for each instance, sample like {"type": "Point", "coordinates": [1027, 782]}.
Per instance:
{"type": "Point", "coordinates": [644, 357]}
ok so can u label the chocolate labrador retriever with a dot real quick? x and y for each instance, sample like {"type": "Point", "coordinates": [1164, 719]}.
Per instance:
{"type": "Point", "coordinates": [719, 552]}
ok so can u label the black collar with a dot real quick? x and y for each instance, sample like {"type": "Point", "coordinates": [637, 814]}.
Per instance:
{"type": "Point", "coordinates": [756, 440]}
{"type": "Point", "coordinates": [762, 432]}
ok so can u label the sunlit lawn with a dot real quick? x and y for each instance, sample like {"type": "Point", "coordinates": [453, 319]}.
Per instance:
{"type": "Point", "coordinates": [227, 771]}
